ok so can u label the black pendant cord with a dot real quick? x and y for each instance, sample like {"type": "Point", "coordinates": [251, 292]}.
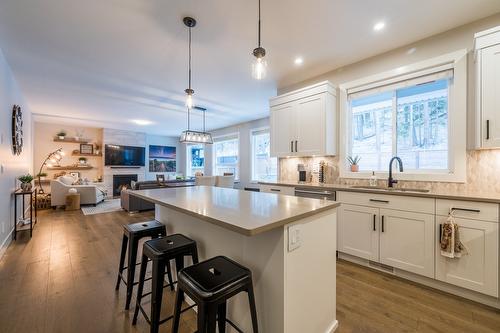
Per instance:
{"type": "Point", "coordinates": [259, 23]}
{"type": "Point", "coordinates": [189, 59]}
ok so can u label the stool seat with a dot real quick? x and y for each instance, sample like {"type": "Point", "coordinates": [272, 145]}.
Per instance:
{"type": "Point", "coordinates": [210, 284]}
{"type": "Point", "coordinates": [168, 246]}
{"type": "Point", "coordinates": [215, 277]}
{"type": "Point", "coordinates": [144, 229]}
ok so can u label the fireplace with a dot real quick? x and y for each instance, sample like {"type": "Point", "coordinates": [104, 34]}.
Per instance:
{"type": "Point", "coordinates": [121, 182]}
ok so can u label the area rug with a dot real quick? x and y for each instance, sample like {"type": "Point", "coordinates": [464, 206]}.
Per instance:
{"type": "Point", "coordinates": [107, 206]}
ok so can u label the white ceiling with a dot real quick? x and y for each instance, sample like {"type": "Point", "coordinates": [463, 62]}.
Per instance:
{"type": "Point", "coordinates": [109, 62]}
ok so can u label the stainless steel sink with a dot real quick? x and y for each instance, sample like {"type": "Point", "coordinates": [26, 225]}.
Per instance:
{"type": "Point", "coordinates": [390, 189]}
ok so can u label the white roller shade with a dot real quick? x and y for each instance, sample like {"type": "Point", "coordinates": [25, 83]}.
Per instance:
{"type": "Point", "coordinates": [398, 82]}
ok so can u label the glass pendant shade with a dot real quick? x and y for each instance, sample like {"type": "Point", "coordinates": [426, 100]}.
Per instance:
{"type": "Point", "coordinates": [259, 68]}
{"type": "Point", "coordinates": [189, 101]}
{"type": "Point", "coordinates": [189, 136]}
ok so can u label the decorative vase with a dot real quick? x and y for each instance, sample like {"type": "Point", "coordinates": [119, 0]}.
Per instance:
{"type": "Point", "coordinates": [354, 168]}
{"type": "Point", "coordinates": [26, 187]}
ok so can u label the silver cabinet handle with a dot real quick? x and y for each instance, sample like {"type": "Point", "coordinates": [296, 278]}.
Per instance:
{"type": "Point", "coordinates": [314, 192]}
{"type": "Point", "coordinates": [378, 200]}
{"type": "Point", "coordinates": [275, 190]}
{"type": "Point", "coordinates": [383, 229]}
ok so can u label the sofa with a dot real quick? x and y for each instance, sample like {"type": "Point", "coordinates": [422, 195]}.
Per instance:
{"type": "Point", "coordinates": [89, 194]}
{"type": "Point", "coordinates": [132, 203]}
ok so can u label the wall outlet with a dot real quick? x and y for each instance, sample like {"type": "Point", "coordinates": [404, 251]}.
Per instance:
{"type": "Point", "coordinates": [294, 237]}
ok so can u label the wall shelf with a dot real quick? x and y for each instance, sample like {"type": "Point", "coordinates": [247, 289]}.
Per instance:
{"type": "Point", "coordinates": [90, 155]}
{"type": "Point", "coordinates": [71, 140]}
{"type": "Point", "coordinates": [71, 167]}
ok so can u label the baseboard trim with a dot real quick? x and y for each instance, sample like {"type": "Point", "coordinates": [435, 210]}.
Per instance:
{"type": "Point", "coordinates": [5, 243]}
{"type": "Point", "coordinates": [333, 327]}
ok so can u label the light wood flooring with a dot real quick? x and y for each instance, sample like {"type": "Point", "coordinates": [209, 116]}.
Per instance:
{"type": "Point", "coordinates": [62, 280]}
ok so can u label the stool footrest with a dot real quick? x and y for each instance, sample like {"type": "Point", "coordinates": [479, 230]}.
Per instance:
{"type": "Point", "coordinates": [164, 286]}
{"type": "Point", "coordinates": [234, 325]}
{"type": "Point", "coordinates": [168, 318]}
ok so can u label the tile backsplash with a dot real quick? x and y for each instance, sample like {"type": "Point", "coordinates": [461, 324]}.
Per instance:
{"type": "Point", "coordinates": [483, 173]}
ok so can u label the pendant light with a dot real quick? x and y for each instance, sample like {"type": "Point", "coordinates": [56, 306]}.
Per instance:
{"type": "Point", "coordinates": [190, 23]}
{"type": "Point", "coordinates": [190, 136]}
{"type": "Point", "coordinates": [259, 65]}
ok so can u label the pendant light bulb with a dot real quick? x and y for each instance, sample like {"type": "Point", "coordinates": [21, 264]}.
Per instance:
{"type": "Point", "coordinates": [189, 99]}
{"type": "Point", "coordinates": [259, 68]}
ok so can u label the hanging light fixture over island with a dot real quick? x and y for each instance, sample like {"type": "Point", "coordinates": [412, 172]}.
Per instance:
{"type": "Point", "coordinates": [259, 65]}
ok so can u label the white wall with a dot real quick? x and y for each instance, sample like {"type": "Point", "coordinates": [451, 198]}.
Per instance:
{"type": "Point", "coordinates": [245, 149]}
{"type": "Point", "coordinates": [11, 166]}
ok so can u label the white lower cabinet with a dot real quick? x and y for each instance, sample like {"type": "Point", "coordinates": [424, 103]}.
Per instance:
{"type": "Point", "coordinates": [407, 241]}
{"type": "Point", "coordinates": [477, 270]}
{"type": "Point", "coordinates": [358, 231]}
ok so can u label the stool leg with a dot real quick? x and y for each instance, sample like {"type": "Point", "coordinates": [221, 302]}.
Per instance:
{"type": "Point", "coordinates": [179, 296]}
{"type": "Point", "coordinates": [140, 287]}
{"type": "Point", "coordinates": [253, 309]}
{"type": "Point", "coordinates": [194, 255]}
{"type": "Point", "coordinates": [156, 294]}
{"type": "Point", "coordinates": [211, 318]}
{"type": "Point", "coordinates": [221, 317]}
{"type": "Point", "coordinates": [201, 318]}
{"type": "Point", "coordinates": [122, 261]}
{"type": "Point", "coordinates": [133, 244]}
{"type": "Point", "coordinates": [169, 276]}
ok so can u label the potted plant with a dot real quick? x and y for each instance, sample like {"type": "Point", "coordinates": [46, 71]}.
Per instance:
{"type": "Point", "coordinates": [353, 162]}
{"type": "Point", "coordinates": [61, 134]}
{"type": "Point", "coordinates": [82, 160]}
{"type": "Point", "coordinates": [42, 175]}
{"type": "Point", "coordinates": [26, 182]}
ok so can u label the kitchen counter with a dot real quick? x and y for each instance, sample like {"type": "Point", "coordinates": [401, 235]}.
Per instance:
{"type": "Point", "coordinates": [245, 212]}
{"type": "Point", "coordinates": [284, 240]}
{"type": "Point", "coordinates": [450, 195]}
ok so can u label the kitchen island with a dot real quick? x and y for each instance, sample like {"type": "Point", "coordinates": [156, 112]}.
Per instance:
{"type": "Point", "coordinates": [288, 242]}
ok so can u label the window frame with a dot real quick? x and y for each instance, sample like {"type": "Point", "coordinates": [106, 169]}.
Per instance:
{"type": "Point", "coordinates": [188, 157]}
{"type": "Point", "coordinates": [457, 116]}
{"type": "Point", "coordinates": [227, 137]}
{"type": "Point", "coordinates": [252, 150]}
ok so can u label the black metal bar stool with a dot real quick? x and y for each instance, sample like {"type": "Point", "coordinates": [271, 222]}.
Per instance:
{"type": "Point", "coordinates": [210, 284]}
{"type": "Point", "coordinates": [132, 233]}
{"type": "Point", "coordinates": [161, 251]}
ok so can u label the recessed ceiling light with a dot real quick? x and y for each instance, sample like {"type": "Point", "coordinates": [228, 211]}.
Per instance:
{"type": "Point", "coordinates": [298, 61]}
{"type": "Point", "coordinates": [141, 122]}
{"type": "Point", "coordinates": [379, 26]}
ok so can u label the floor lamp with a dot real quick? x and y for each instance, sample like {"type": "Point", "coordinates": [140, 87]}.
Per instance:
{"type": "Point", "coordinates": [53, 157]}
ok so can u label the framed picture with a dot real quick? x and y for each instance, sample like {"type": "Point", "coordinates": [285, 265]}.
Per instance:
{"type": "Point", "coordinates": [86, 149]}
{"type": "Point", "coordinates": [162, 159]}
{"type": "Point", "coordinates": [75, 175]}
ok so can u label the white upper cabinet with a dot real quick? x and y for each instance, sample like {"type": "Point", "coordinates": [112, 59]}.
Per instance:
{"type": "Point", "coordinates": [303, 122]}
{"type": "Point", "coordinates": [487, 88]}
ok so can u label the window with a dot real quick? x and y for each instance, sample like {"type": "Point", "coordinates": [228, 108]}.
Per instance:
{"type": "Point", "coordinates": [226, 151]}
{"type": "Point", "coordinates": [264, 167]}
{"type": "Point", "coordinates": [420, 134]}
{"type": "Point", "coordinates": [416, 112]}
{"type": "Point", "coordinates": [195, 159]}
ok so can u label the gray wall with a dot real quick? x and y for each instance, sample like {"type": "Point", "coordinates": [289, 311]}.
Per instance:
{"type": "Point", "coordinates": [11, 166]}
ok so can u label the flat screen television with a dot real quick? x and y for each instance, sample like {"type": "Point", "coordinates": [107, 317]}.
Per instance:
{"type": "Point", "coordinates": [115, 155]}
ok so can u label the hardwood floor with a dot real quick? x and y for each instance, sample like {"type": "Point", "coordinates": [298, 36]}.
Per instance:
{"type": "Point", "coordinates": [62, 280]}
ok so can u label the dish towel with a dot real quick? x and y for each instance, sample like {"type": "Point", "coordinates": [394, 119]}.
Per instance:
{"type": "Point", "coordinates": [451, 246]}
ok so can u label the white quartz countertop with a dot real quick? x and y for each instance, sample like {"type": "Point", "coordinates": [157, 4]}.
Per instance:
{"type": "Point", "coordinates": [438, 194]}
{"type": "Point", "coordinates": [245, 212]}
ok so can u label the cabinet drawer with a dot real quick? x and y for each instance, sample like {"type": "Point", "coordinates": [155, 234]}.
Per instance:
{"type": "Point", "coordinates": [286, 190]}
{"type": "Point", "coordinates": [409, 204]}
{"type": "Point", "coordinates": [468, 209]}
